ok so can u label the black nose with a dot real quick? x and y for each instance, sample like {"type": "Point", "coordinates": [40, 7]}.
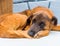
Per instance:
{"type": "Point", "coordinates": [31, 33]}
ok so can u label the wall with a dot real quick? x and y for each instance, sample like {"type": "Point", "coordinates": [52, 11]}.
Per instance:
{"type": "Point", "coordinates": [5, 6]}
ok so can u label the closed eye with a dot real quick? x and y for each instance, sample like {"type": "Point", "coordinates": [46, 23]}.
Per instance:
{"type": "Point", "coordinates": [41, 24]}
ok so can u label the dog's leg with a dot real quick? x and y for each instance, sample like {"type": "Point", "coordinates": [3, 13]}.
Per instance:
{"type": "Point", "coordinates": [56, 28]}
{"type": "Point", "coordinates": [42, 34]}
{"type": "Point", "coordinates": [18, 34]}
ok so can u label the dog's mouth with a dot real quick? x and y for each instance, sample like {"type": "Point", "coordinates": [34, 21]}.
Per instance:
{"type": "Point", "coordinates": [38, 34]}
{"type": "Point", "coordinates": [34, 30]}
{"type": "Point", "coordinates": [33, 33]}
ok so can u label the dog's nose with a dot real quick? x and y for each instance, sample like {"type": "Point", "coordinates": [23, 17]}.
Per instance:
{"type": "Point", "coordinates": [31, 33]}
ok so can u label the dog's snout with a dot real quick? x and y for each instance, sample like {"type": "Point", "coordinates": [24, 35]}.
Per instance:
{"type": "Point", "coordinates": [31, 33]}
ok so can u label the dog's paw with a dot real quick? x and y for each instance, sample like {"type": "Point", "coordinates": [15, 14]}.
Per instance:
{"type": "Point", "coordinates": [41, 34]}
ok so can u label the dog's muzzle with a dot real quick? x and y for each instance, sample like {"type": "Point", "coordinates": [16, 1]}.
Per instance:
{"type": "Point", "coordinates": [35, 29]}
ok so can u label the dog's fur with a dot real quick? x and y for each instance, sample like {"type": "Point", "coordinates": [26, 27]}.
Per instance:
{"type": "Point", "coordinates": [37, 17]}
{"type": "Point", "coordinates": [33, 23]}
{"type": "Point", "coordinates": [11, 25]}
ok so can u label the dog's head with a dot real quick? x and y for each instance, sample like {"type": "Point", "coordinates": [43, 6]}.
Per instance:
{"type": "Point", "coordinates": [40, 22]}
{"type": "Point", "coordinates": [40, 19]}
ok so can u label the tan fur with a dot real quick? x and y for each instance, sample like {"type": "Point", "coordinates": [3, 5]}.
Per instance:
{"type": "Point", "coordinates": [42, 10]}
{"type": "Point", "coordinates": [26, 12]}
{"type": "Point", "coordinates": [49, 13]}
{"type": "Point", "coordinates": [9, 23]}
{"type": "Point", "coordinates": [56, 28]}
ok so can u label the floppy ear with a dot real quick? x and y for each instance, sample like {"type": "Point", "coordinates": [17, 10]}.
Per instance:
{"type": "Point", "coordinates": [28, 21]}
{"type": "Point", "coordinates": [54, 20]}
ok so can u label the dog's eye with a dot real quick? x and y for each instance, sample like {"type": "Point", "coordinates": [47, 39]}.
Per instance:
{"type": "Point", "coordinates": [41, 24]}
{"type": "Point", "coordinates": [34, 20]}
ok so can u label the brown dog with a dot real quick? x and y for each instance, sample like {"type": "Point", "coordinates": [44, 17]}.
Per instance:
{"type": "Point", "coordinates": [11, 26]}
{"type": "Point", "coordinates": [40, 21]}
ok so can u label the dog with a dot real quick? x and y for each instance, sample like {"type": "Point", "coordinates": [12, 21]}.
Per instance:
{"type": "Point", "coordinates": [11, 26]}
{"type": "Point", "coordinates": [40, 22]}
{"type": "Point", "coordinates": [33, 23]}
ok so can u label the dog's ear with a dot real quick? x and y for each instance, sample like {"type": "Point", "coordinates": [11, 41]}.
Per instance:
{"type": "Point", "coordinates": [54, 20]}
{"type": "Point", "coordinates": [29, 19]}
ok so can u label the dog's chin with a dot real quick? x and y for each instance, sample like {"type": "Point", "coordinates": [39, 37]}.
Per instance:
{"type": "Point", "coordinates": [37, 35]}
